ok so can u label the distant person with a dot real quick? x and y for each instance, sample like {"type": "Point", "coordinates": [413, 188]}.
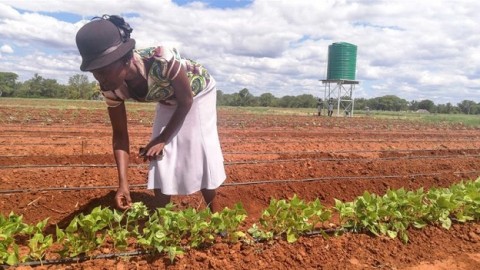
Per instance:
{"type": "Point", "coordinates": [184, 149]}
{"type": "Point", "coordinates": [367, 110]}
{"type": "Point", "coordinates": [319, 106]}
{"type": "Point", "coordinates": [330, 108]}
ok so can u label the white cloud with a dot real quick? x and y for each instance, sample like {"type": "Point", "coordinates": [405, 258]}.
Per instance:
{"type": "Point", "coordinates": [414, 50]}
{"type": "Point", "coordinates": [6, 49]}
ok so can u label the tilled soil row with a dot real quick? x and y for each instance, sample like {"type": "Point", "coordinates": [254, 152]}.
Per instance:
{"type": "Point", "coordinates": [59, 170]}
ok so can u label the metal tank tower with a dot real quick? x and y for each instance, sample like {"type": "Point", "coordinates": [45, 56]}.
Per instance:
{"type": "Point", "coordinates": [340, 82]}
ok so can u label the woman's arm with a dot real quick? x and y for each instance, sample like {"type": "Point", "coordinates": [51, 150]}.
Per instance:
{"type": "Point", "coordinates": [184, 98]}
{"type": "Point", "coordinates": [121, 146]}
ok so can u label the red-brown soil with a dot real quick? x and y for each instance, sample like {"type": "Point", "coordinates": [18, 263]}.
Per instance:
{"type": "Point", "coordinates": [58, 163]}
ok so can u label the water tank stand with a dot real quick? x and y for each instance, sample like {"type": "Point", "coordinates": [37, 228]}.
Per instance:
{"type": "Point", "coordinates": [342, 92]}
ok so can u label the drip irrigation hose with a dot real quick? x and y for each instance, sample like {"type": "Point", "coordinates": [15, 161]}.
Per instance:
{"type": "Point", "coordinates": [284, 181]}
{"type": "Point", "coordinates": [79, 259]}
{"type": "Point", "coordinates": [35, 144]}
{"type": "Point", "coordinates": [329, 231]}
{"type": "Point", "coordinates": [351, 151]}
{"type": "Point", "coordinates": [301, 152]}
{"type": "Point", "coordinates": [107, 133]}
{"type": "Point", "coordinates": [244, 162]}
{"type": "Point", "coordinates": [345, 159]}
{"type": "Point", "coordinates": [263, 141]}
{"type": "Point", "coordinates": [7, 192]}
{"type": "Point", "coordinates": [69, 166]}
{"type": "Point", "coordinates": [259, 182]}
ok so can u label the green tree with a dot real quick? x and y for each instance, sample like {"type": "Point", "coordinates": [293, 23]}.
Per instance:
{"type": "Point", "coordinates": [220, 97]}
{"type": "Point", "coordinates": [388, 103]}
{"type": "Point", "coordinates": [446, 108]}
{"type": "Point", "coordinates": [413, 105]}
{"type": "Point", "coordinates": [287, 102]}
{"type": "Point", "coordinates": [245, 98]}
{"type": "Point", "coordinates": [467, 106]}
{"type": "Point", "coordinates": [305, 101]}
{"type": "Point", "coordinates": [427, 104]}
{"type": "Point", "coordinates": [38, 87]}
{"type": "Point", "coordinates": [226, 99]}
{"type": "Point", "coordinates": [80, 88]}
{"type": "Point", "coordinates": [267, 100]}
{"type": "Point", "coordinates": [8, 83]}
{"type": "Point", "coordinates": [51, 88]}
{"type": "Point", "coordinates": [361, 103]}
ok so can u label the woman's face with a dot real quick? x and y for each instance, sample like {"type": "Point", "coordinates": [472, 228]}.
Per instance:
{"type": "Point", "coordinates": [112, 76]}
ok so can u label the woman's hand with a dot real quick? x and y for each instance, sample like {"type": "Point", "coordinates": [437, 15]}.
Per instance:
{"type": "Point", "coordinates": [153, 150]}
{"type": "Point", "coordinates": [122, 198]}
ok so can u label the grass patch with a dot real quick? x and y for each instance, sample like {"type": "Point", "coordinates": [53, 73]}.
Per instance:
{"type": "Point", "coordinates": [270, 110]}
{"type": "Point", "coordinates": [472, 121]}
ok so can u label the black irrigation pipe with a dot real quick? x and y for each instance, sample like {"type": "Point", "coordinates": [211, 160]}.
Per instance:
{"type": "Point", "coordinates": [84, 142]}
{"type": "Point", "coordinates": [243, 162]}
{"type": "Point", "coordinates": [12, 191]}
{"type": "Point", "coordinates": [37, 144]}
{"type": "Point", "coordinates": [258, 182]}
{"type": "Point", "coordinates": [258, 140]}
{"type": "Point", "coordinates": [39, 132]}
{"type": "Point", "coordinates": [79, 259]}
{"type": "Point", "coordinates": [351, 151]}
{"type": "Point", "coordinates": [69, 166]}
{"type": "Point", "coordinates": [309, 133]}
{"type": "Point", "coordinates": [86, 135]}
{"type": "Point", "coordinates": [51, 136]}
{"type": "Point", "coordinates": [301, 152]}
{"type": "Point", "coordinates": [329, 178]}
{"type": "Point", "coordinates": [272, 130]}
{"type": "Point", "coordinates": [313, 140]}
{"type": "Point", "coordinates": [345, 159]}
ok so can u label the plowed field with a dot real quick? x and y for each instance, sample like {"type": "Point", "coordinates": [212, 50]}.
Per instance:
{"type": "Point", "coordinates": [56, 162]}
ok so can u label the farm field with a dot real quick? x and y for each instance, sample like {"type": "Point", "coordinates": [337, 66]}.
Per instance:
{"type": "Point", "coordinates": [56, 161]}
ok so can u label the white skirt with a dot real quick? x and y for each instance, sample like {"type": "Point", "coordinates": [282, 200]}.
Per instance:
{"type": "Point", "coordinates": [193, 158]}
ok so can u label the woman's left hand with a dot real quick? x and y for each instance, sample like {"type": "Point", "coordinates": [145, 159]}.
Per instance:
{"type": "Point", "coordinates": [152, 150]}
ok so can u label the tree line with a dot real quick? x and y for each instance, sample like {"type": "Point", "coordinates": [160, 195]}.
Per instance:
{"type": "Point", "coordinates": [384, 103]}
{"type": "Point", "coordinates": [79, 87]}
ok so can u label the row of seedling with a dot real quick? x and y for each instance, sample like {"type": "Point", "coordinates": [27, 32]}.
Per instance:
{"type": "Point", "coordinates": [171, 232]}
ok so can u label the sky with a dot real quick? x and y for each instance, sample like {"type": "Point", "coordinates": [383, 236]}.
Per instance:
{"type": "Point", "coordinates": [416, 50]}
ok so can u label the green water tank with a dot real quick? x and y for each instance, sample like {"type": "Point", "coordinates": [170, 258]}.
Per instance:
{"type": "Point", "coordinates": [342, 61]}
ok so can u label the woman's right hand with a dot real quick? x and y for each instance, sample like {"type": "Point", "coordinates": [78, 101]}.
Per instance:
{"type": "Point", "coordinates": [122, 198]}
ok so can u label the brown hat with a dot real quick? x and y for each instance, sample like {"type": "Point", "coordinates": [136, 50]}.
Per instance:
{"type": "Point", "coordinates": [100, 43]}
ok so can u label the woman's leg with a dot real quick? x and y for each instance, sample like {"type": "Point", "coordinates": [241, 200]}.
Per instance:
{"type": "Point", "coordinates": [161, 199]}
{"type": "Point", "coordinates": [209, 197]}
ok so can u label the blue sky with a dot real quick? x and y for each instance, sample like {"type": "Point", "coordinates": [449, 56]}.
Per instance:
{"type": "Point", "coordinates": [218, 3]}
{"type": "Point", "coordinates": [61, 16]}
{"type": "Point", "coordinates": [413, 49]}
